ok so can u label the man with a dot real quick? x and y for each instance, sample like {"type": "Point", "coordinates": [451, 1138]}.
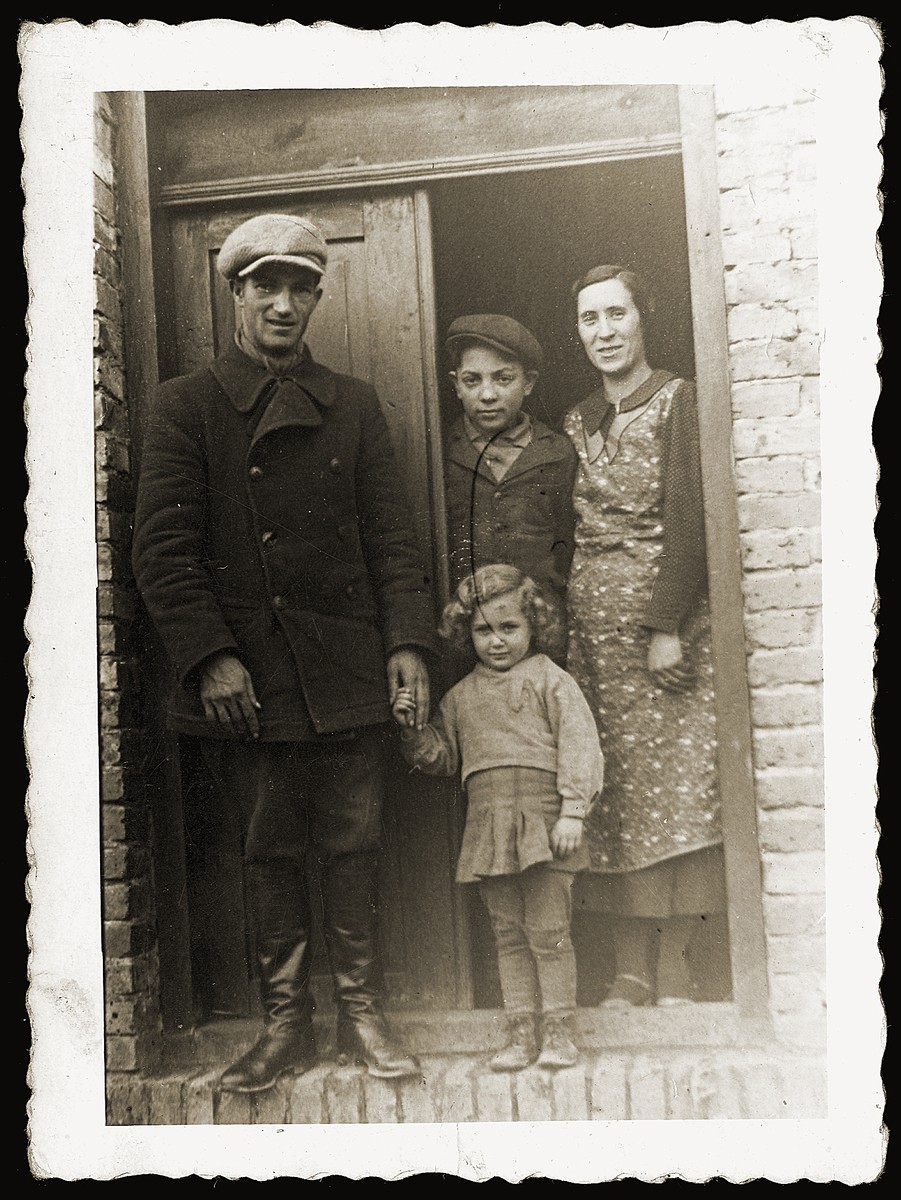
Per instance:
{"type": "Point", "coordinates": [273, 551]}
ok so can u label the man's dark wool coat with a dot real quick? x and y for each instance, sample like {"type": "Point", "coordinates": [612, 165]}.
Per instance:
{"type": "Point", "coordinates": [272, 522]}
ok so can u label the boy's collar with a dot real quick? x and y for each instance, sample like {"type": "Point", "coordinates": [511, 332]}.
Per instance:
{"type": "Point", "coordinates": [519, 434]}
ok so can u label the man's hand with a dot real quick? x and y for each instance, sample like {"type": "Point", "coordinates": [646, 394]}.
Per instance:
{"type": "Point", "coordinates": [407, 669]}
{"type": "Point", "coordinates": [404, 708]}
{"type": "Point", "coordinates": [667, 665]}
{"type": "Point", "coordinates": [226, 691]}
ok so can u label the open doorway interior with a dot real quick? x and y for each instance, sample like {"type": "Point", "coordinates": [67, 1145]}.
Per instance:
{"type": "Point", "coordinates": [509, 242]}
{"type": "Point", "coordinates": [513, 243]}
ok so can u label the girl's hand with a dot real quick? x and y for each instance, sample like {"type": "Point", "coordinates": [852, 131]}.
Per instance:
{"type": "Point", "coordinates": [407, 671]}
{"type": "Point", "coordinates": [566, 836]}
{"type": "Point", "coordinates": [668, 666]}
{"type": "Point", "coordinates": [404, 707]}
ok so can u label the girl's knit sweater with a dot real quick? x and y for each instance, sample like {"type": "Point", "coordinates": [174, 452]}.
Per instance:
{"type": "Point", "coordinates": [533, 715]}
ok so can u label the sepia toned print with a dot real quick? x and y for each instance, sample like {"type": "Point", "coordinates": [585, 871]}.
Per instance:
{"type": "Point", "coordinates": [445, 253]}
{"type": "Point", "coordinates": [338, 360]}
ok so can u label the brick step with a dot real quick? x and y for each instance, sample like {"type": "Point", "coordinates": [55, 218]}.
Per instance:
{"type": "Point", "coordinates": [689, 1085]}
{"type": "Point", "coordinates": [477, 1031]}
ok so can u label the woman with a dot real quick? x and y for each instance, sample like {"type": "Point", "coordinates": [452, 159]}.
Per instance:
{"type": "Point", "coordinates": [640, 647]}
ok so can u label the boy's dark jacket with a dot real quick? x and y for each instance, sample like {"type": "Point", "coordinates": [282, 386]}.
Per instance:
{"type": "Point", "coordinates": [277, 528]}
{"type": "Point", "coordinates": [526, 519]}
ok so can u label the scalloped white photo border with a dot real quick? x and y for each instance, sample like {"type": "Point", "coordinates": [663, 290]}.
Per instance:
{"type": "Point", "coordinates": [63, 64]}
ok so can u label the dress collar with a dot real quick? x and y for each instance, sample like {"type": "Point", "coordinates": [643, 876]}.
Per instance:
{"type": "Point", "coordinates": [597, 412]}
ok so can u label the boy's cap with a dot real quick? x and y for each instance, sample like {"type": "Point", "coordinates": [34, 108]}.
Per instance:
{"type": "Point", "coordinates": [501, 333]}
{"type": "Point", "coordinates": [272, 237]}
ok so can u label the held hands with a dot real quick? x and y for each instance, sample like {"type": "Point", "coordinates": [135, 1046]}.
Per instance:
{"type": "Point", "coordinates": [408, 672]}
{"type": "Point", "coordinates": [404, 708]}
{"type": "Point", "coordinates": [228, 698]}
{"type": "Point", "coordinates": [566, 836]}
{"type": "Point", "coordinates": [667, 665]}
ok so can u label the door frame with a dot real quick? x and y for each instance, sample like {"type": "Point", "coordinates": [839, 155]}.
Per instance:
{"type": "Point", "coordinates": [697, 147]}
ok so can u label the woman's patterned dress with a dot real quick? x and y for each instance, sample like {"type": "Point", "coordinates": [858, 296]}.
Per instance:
{"type": "Point", "coordinates": [660, 795]}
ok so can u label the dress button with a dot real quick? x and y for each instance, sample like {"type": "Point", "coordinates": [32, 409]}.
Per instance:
{"type": "Point", "coordinates": [278, 603]}
{"type": "Point", "coordinates": [335, 466]}
{"type": "Point", "coordinates": [269, 536]}
{"type": "Point", "coordinates": [256, 472]}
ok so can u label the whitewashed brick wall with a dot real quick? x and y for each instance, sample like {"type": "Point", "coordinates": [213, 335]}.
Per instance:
{"type": "Point", "coordinates": [766, 148]}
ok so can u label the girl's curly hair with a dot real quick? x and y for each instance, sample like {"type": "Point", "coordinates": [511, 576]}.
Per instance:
{"type": "Point", "coordinates": [490, 582]}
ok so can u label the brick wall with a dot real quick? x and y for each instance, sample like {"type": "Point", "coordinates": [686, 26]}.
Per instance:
{"type": "Point", "coordinates": [766, 147]}
{"type": "Point", "coordinates": [132, 972]}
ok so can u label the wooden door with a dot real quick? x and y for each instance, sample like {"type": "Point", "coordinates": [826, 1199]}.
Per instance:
{"type": "Point", "coordinates": [374, 321]}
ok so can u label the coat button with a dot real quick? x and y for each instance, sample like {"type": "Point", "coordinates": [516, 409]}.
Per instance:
{"type": "Point", "coordinates": [256, 472]}
{"type": "Point", "coordinates": [498, 495]}
{"type": "Point", "coordinates": [278, 603]}
{"type": "Point", "coordinates": [350, 590]}
{"type": "Point", "coordinates": [269, 536]}
{"type": "Point", "coordinates": [335, 466]}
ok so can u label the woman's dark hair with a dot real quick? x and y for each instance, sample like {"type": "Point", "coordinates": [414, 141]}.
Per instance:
{"type": "Point", "coordinates": [490, 582]}
{"type": "Point", "coordinates": [638, 289]}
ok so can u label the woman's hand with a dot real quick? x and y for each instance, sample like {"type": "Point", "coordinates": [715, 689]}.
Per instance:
{"type": "Point", "coordinates": [668, 667]}
{"type": "Point", "coordinates": [566, 836]}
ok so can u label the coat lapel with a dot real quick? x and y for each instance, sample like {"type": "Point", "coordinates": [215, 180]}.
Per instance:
{"type": "Point", "coordinates": [295, 399]}
{"type": "Point", "coordinates": [543, 448]}
{"type": "Point", "coordinates": [289, 404]}
{"type": "Point", "coordinates": [461, 451]}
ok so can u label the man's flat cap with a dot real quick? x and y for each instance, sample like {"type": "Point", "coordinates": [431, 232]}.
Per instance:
{"type": "Point", "coordinates": [501, 333]}
{"type": "Point", "coordinates": [272, 238]}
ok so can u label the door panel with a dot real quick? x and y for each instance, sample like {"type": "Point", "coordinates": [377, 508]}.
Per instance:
{"type": "Point", "coordinates": [369, 323]}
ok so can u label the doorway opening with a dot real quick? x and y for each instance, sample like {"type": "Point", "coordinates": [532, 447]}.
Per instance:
{"type": "Point", "coordinates": [513, 243]}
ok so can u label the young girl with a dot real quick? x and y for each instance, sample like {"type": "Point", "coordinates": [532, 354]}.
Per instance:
{"type": "Point", "coordinates": [519, 730]}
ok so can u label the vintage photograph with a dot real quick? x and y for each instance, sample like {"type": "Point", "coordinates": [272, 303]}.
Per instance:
{"type": "Point", "coordinates": [457, 471]}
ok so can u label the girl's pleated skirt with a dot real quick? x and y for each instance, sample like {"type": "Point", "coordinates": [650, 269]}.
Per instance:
{"type": "Point", "coordinates": [510, 814]}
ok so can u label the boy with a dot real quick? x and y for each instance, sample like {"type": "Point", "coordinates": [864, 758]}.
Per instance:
{"type": "Point", "coordinates": [509, 478]}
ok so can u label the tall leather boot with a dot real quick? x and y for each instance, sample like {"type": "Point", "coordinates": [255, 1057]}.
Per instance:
{"type": "Point", "coordinates": [350, 927]}
{"type": "Point", "coordinates": [281, 916]}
